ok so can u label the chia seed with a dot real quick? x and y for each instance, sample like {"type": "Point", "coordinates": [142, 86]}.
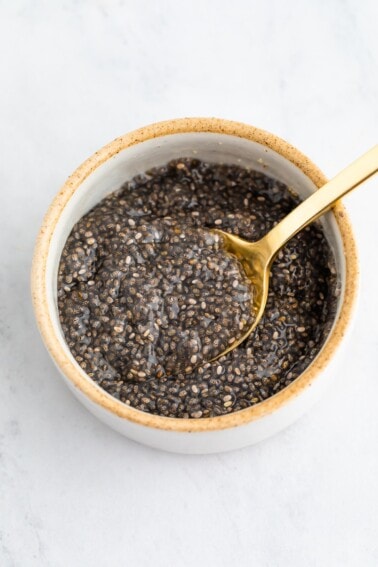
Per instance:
{"type": "Point", "coordinates": [147, 296]}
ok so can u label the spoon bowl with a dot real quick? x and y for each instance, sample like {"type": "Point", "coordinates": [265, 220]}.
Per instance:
{"type": "Point", "coordinates": [255, 258]}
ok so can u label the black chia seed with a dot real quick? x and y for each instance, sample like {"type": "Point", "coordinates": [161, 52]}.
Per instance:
{"type": "Point", "coordinates": [147, 296]}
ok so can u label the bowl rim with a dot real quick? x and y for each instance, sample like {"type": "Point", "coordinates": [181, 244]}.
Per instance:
{"type": "Point", "coordinates": [95, 393]}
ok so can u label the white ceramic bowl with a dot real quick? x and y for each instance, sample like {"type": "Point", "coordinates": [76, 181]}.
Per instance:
{"type": "Point", "coordinates": [217, 141]}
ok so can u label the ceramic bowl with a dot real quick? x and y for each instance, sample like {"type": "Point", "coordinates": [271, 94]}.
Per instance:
{"type": "Point", "coordinates": [217, 141]}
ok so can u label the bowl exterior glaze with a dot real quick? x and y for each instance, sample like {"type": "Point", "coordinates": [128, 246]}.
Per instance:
{"type": "Point", "coordinates": [212, 139]}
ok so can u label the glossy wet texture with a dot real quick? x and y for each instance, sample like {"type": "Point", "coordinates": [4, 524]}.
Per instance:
{"type": "Point", "coordinates": [194, 195]}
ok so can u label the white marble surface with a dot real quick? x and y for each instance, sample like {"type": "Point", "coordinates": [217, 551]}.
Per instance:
{"type": "Point", "coordinates": [74, 493]}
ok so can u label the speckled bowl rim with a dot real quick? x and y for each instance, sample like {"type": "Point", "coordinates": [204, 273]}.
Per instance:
{"type": "Point", "coordinates": [84, 383]}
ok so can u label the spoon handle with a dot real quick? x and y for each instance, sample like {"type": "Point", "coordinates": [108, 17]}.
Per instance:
{"type": "Point", "coordinates": [322, 200]}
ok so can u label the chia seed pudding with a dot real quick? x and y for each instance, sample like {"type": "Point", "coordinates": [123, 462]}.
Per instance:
{"type": "Point", "coordinates": [147, 296]}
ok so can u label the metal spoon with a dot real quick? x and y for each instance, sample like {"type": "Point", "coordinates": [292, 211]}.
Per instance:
{"type": "Point", "coordinates": [257, 257]}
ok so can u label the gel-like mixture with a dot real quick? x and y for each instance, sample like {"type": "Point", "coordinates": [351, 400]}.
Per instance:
{"type": "Point", "coordinates": [147, 295]}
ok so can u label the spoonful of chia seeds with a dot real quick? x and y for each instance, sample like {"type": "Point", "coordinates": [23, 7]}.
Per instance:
{"type": "Point", "coordinates": [257, 257]}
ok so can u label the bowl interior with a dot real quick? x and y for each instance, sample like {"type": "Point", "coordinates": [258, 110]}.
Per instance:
{"type": "Point", "coordinates": [123, 166]}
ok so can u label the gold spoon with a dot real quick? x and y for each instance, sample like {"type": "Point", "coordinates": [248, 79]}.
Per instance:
{"type": "Point", "coordinates": [257, 257]}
